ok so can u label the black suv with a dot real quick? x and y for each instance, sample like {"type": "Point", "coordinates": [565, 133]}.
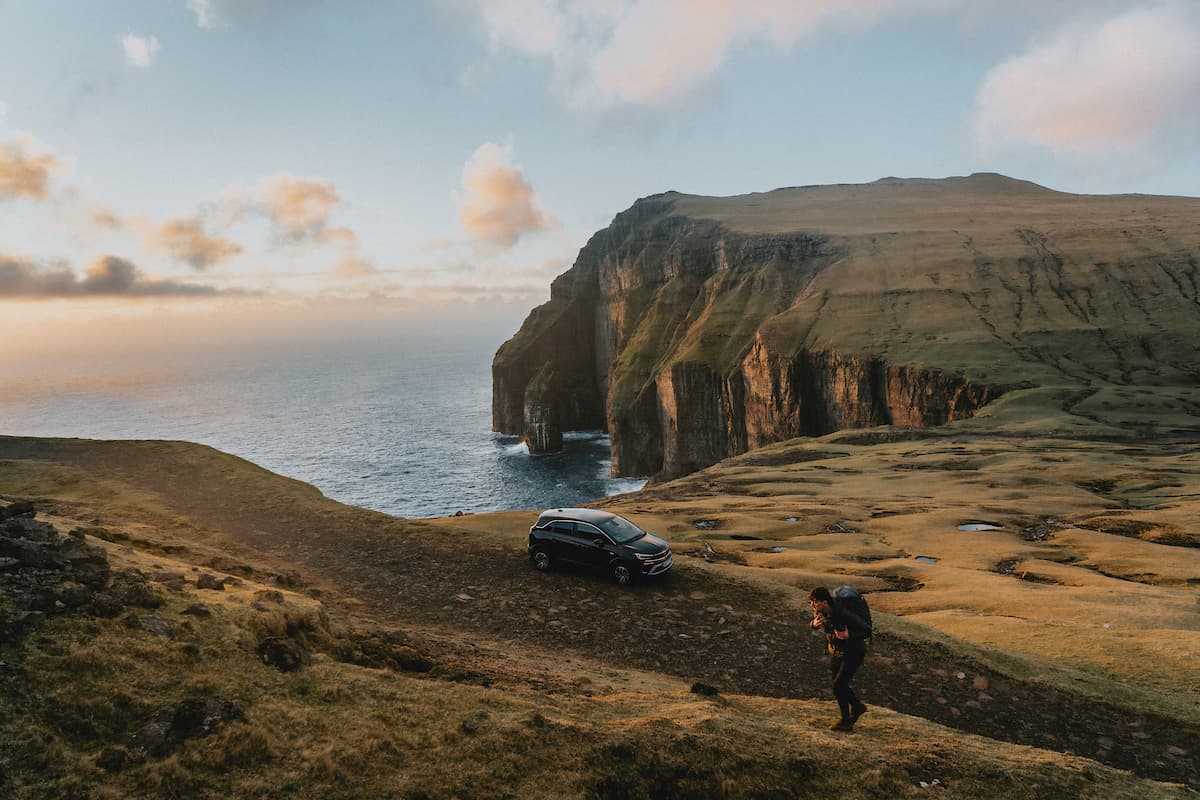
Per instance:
{"type": "Point", "coordinates": [597, 540]}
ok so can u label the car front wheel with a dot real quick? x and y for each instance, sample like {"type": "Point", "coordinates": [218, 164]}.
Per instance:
{"type": "Point", "coordinates": [541, 560]}
{"type": "Point", "coordinates": [622, 574]}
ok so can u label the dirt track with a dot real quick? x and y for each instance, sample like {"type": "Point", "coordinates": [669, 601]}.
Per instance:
{"type": "Point", "coordinates": [694, 624]}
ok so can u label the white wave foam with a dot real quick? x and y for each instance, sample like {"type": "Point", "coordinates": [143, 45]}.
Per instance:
{"type": "Point", "coordinates": [585, 436]}
{"type": "Point", "coordinates": [624, 486]}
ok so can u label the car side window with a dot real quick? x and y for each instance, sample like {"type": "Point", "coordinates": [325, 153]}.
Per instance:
{"type": "Point", "coordinates": [589, 532]}
{"type": "Point", "coordinates": [562, 526]}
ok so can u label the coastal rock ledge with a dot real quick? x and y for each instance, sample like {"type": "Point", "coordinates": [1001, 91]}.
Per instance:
{"type": "Point", "coordinates": [695, 328]}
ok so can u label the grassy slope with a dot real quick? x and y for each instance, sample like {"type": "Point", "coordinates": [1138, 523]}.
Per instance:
{"type": "Point", "coordinates": [541, 724]}
{"type": "Point", "coordinates": [1105, 604]}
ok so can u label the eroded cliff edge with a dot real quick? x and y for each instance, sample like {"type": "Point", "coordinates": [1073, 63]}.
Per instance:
{"type": "Point", "coordinates": [695, 328]}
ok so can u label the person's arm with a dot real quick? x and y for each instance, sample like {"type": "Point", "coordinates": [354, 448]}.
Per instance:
{"type": "Point", "coordinates": [851, 626]}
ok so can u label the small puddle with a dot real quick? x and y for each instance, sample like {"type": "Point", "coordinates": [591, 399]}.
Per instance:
{"type": "Point", "coordinates": [707, 524]}
{"type": "Point", "coordinates": [742, 537]}
{"type": "Point", "coordinates": [927, 559]}
{"type": "Point", "coordinates": [980, 526]}
{"type": "Point", "coordinates": [791, 519]}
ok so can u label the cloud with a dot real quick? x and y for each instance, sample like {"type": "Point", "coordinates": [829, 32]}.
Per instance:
{"type": "Point", "coordinates": [299, 211]}
{"type": "Point", "coordinates": [207, 15]}
{"type": "Point", "coordinates": [139, 51]}
{"type": "Point", "coordinates": [1106, 88]}
{"type": "Point", "coordinates": [108, 276]}
{"type": "Point", "coordinates": [186, 239]}
{"type": "Point", "coordinates": [222, 13]}
{"type": "Point", "coordinates": [26, 166]}
{"type": "Point", "coordinates": [300, 208]}
{"type": "Point", "coordinates": [497, 205]}
{"type": "Point", "coordinates": [3, 111]}
{"type": "Point", "coordinates": [651, 52]}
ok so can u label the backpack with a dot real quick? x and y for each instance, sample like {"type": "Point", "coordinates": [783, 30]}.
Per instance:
{"type": "Point", "coordinates": [853, 601]}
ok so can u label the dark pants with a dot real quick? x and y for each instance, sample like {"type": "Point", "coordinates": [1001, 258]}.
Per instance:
{"type": "Point", "coordinates": [843, 666]}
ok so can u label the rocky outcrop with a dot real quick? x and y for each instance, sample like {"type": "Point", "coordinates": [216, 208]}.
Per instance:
{"type": "Point", "coordinates": [43, 573]}
{"type": "Point", "coordinates": [693, 329]}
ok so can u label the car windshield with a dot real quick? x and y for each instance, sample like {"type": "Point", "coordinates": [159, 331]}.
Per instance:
{"type": "Point", "coordinates": [621, 530]}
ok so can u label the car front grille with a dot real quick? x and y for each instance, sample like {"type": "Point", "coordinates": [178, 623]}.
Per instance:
{"type": "Point", "coordinates": [657, 564]}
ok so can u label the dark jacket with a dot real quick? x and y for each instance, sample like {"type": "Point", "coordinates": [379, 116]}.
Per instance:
{"type": "Point", "coordinates": [844, 618]}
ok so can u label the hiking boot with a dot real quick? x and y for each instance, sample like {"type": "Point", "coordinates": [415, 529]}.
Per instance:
{"type": "Point", "coordinates": [846, 725]}
{"type": "Point", "coordinates": [857, 710]}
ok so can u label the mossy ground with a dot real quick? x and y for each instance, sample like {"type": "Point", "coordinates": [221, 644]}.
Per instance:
{"type": "Point", "coordinates": [496, 717]}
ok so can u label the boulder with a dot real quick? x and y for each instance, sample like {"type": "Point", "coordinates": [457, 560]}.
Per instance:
{"type": "Point", "coordinates": [189, 719]}
{"type": "Point", "coordinates": [208, 581]}
{"type": "Point", "coordinates": [283, 654]}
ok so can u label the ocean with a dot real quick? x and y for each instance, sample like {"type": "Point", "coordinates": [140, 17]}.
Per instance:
{"type": "Point", "coordinates": [401, 426]}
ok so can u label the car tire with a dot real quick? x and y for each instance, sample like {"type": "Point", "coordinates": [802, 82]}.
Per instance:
{"type": "Point", "coordinates": [541, 560]}
{"type": "Point", "coordinates": [622, 574]}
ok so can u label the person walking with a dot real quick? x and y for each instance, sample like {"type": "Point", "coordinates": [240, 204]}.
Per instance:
{"type": "Point", "coordinates": [845, 635]}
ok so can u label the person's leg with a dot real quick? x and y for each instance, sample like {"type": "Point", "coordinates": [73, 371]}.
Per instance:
{"type": "Point", "coordinates": [847, 700]}
{"type": "Point", "coordinates": [841, 683]}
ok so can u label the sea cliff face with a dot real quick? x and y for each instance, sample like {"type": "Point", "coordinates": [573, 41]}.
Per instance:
{"type": "Point", "coordinates": [693, 329]}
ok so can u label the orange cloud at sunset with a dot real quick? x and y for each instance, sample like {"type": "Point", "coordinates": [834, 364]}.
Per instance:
{"type": "Point", "coordinates": [26, 166]}
{"type": "Point", "coordinates": [299, 207]}
{"type": "Point", "coordinates": [498, 206]}
{"type": "Point", "coordinates": [186, 239]}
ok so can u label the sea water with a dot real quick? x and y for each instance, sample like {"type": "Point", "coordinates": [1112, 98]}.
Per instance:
{"type": "Point", "coordinates": [402, 427]}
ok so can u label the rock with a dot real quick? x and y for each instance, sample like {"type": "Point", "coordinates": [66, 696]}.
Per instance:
{"type": "Point", "coordinates": [704, 689]}
{"type": "Point", "coordinates": [209, 581]}
{"type": "Point", "coordinates": [197, 610]}
{"type": "Point", "coordinates": [269, 596]}
{"type": "Point", "coordinates": [156, 625]}
{"type": "Point", "coordinates": [288, 580]}
{"type": "Point", "coordinates": [283, 654]}
{"type": "Point", "coordinates": [27, 553]}
{"type": "Point", "coordinates": [469, 727]}
{"type": "Point", "coordinates": [191, 718]}
{"type": "Point", "coordinates": [981, 682]}
{"type": "Point", "coordinates": [541, 423]}
{"type": "Point", "coordinates": [21, 508]}
{"type": "Point", "coordinates": [129, 588]}
{"type": "Point", "coordinates": [1105, 742]}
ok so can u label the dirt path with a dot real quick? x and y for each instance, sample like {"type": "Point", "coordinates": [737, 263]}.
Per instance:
{"type": "Point", "coordinates": [695, 624]}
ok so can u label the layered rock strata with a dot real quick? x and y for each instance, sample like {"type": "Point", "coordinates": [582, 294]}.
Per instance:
{"type": "Point", "coordinates": [693, 329]}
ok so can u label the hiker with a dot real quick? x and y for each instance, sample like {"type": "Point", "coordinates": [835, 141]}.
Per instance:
{"type": "Point", "coordinates": [845, 633]}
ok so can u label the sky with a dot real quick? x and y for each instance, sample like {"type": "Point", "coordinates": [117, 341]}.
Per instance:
{"type": "Point", "coordinates": [180, 170]}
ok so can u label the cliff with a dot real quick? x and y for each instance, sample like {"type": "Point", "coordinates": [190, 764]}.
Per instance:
{"type": "Point", "coordinates": [695, 328]}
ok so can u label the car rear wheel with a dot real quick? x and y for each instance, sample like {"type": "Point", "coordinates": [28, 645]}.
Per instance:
{"type": "Point", "coordinates": [622, 574]}
{"type": "Point", "coordinates": [541, 561]}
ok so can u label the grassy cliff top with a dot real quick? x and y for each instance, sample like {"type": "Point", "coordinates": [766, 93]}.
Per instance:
{"type": "Point", "coordinates": [893, 205]}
